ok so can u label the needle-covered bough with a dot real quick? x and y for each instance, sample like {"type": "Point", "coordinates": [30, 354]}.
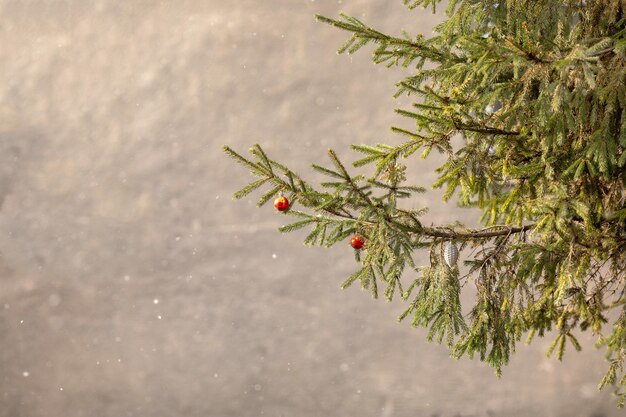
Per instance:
{"type": "Point", "coordinates": [533, 92]}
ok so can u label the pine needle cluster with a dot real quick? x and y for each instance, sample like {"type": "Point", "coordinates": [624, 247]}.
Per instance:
{"type": "Point", "coordinates": [535, 90]}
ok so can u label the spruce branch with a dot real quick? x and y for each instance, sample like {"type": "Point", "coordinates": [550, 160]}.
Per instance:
{"type": "Point", "coordinates": [363, 34]}
{"type": "Point", "coordinates": [529, 114]}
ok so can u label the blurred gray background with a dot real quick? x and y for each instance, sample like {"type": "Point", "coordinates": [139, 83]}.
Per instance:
{"type": "Point", "coordinates": [131, 283]}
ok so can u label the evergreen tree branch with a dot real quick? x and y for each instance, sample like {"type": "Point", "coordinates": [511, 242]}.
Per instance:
{"type": "Point", "coordinates": [553, 78]}
{"type": "Point", "coordinates": [362, 34]}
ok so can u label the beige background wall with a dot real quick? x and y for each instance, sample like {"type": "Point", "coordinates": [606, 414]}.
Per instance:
{"type": "Point", "coordinates": [131, 284]}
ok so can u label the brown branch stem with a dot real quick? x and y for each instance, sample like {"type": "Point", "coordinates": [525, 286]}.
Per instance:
{"type": "Point", "coordinates": [484, 233]}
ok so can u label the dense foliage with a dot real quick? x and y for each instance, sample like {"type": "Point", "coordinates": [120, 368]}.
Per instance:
{"type": "Point", "coordinates": [534, 91]}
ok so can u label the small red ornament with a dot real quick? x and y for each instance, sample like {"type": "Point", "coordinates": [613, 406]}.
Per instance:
{"type": "Point", "coordinates": [281, 203]}
{"type": "Point", "coordinates": [357, 242]}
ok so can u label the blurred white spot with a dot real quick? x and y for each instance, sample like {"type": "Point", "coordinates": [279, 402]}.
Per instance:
{"type": "Point", "coordinates": [314, 311]}
{"type": "Point", "coordinates": [546, 366]}
{"type": "Point", "coordinates": [588, 391]}
{"type": "Point", "coordinates": [54, 300]}
{"type": "Point", "coordinates": [146, 78]}
{"type": "Point", "coordinates": [56, 322]}
{"type": "Point", "coordinates": [25, 373]}
{"type": "Point", "coordinates": [159, 317]}
{"type": "Point", "coordinates": [21, 321]}
{"type": "Point", "coordinates": [215, 375]}
{"type": "Point", "coordinates": [60, 388]}
{"type": "Point", "coordinates": [274, 256]}
{"type": "Point", "coordinates": [387, 410]}
{"type": "Point", "coordinates": [177, 238]}
{"type": "Point", "coordinates": [126, 278]}
{"type": "Point", "coordinates": [155, 301]}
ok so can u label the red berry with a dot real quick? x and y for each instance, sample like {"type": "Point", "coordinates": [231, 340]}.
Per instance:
{"type": "Point", "coordinates": [281, 203]}
{"type": "Point", "coordinates": [357, 242]}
